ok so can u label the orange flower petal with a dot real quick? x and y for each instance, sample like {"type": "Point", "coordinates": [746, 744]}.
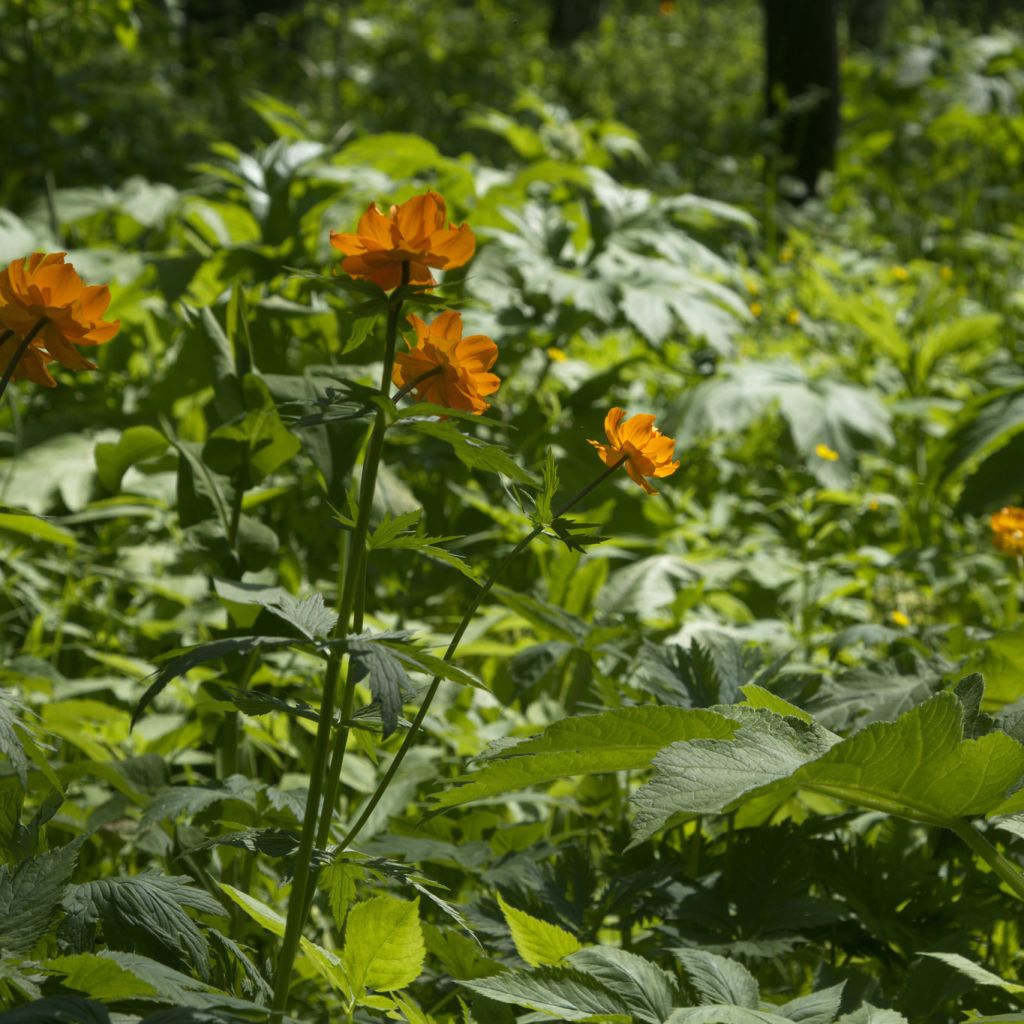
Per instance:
{"type": "Point", "coordinates": [418, 218]}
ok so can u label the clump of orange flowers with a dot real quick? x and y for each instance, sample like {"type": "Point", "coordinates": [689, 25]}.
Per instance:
{"type": "Point", "coordinates": [447, 368]}
{"type": "Point", "coordinates": [646, 450]}
{"type": "Point", "coordinates": [415, 233]}
{"type": "Point", "coordinates": [44, 301]}
{"type": "Point", "coordinates": [1008, 530]}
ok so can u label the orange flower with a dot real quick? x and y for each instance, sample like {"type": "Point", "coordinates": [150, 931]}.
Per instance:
{"type": "Point", "coordinates": [459, 379]}
{"type": "Point", "coordinates": [45, 287]}
{"type": "Point", "coordinates": [414, 232]}
{"type": "Point", "coordinates": [1008, 530]}
{"type": "Point", "coordinates": [648, 451]}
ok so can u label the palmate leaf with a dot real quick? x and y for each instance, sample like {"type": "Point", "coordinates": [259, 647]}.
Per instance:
{"type": "Point", "coordinates": [143, 911]}
{"type": "Point", "coordinates": [609, 742]}
{"type": "Point", "coordinates": [191, 800]}
{"type": "Point", "coordinates": [919, 767]}
{"type": "Point", "coordinates": [398, 534]}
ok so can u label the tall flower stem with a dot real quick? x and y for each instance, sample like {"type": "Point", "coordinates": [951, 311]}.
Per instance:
{"type": "Point", "coordinates": [467, 617]}
{"type": "Point", "coordinates": [300, 897]}
{"type": "Point", "coordinates": [19, 352]}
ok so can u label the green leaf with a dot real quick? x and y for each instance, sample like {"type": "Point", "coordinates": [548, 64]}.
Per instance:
{"type": "Point", "coordinates": [537, 941]}
{"type": "Point", "coordinates": [145, 911]}
{"type": "Point", "coordinates": [58, 1010]}
{"type": "Point", "coordinates": [724, 1015]}
{"type": "Point", "coordinates": [384, 948]}
{"type": "Point", "coordinates": [609, 742]}
{"type": "Point", "coordinates": [388, 677]}
{"type": "Point", "coordinates": [136, 444]}
{"type": "Point", "coordinates": [978, 974]}
{"type": "Point", "coordinates": [821, 1007]}
{"type": "Point", "coordinates": [339, 878]}
{"type": "Point", "coordinates": [31, 894]}
{"type": "Point", "coordinates": [396, 533]}
{"type": "Point", "coordinates": [179, 662]}
{"type": "Point", "coordinates": [11, 745]}
{"type": "Point", "coordinates": [718, 979]}
{"type": "Point", "coordinates": [561, 993]}
{"type": "Point", "coordinates": [37, 528]}
{"type": "Point", "coordinates": [113, 976]}
{"type": "Point", "coordinates": [649, 991]}
{"type": "Point", "coordinates": [919, 767]}
{"type": "Point", "coordinates": [472, 453]}
{"type": "Point", "coordinates": [324, 961]}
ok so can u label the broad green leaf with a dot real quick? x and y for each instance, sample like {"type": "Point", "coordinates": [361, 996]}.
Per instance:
{"type": "Point", "coordinates": [759, 697]}
{"type": "Point", "coordinates": [821, 1007]}
{"type": "Point", "coordinates": [724, 1014]}
{"type": "Point", "coordinates": [145, 911]}
{"type": "Point", "coordinates": [707, 776]}
{"type": "Point", "coordinates": [650, 991]}
{"type": "Point", "coordinates": [388, 677]}
{"type": "Point", "coordinates": [36, 528]}
{"type": "Point", "coordinates": [30, 896]}
{"type": "Point", "coordinates": [1002, 666]}
{"type": "Point", "coordinates": [136, 444]}
{"type": "Point", "coordinates": [918, 767]}
{"type": "Point", "coordinates": [384, 948]}
{"type": "Point", "coordinates": [327, 965]}
{"type": "Point", "coordinates": [718, 979]}
{"type": "Point", "coordinates": [537, 941]}
{"type": "Point", "coordinates": [58, 1010]}
{"type": "Point", "coordinates": [561, 993]}
{"type": "Point", "coordinates": [609, 742]}
{"type": "Point", "coordinates": [113, 976]}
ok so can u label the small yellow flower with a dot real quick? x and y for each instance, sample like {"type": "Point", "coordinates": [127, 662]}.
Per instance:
{"type": "Point", "coordinates": [793, 317]}
{"type": "Point", "coordinates": [946, 273]}
{"type": "Point", "coordinates": [666, 7]}
{"type": "Point", "coordinates": [900, 274]}
{"type": "Point", "coordinates": [786, 254]}
{"type": "Point", "coordinates": [752, 286]}
{"type": "Point", "coordinates": [647, 450]}
{"type": "Point", "coordinates": [756, 309]}
{"type": "Point", "coordinates": [556, 355]}
{"type": "Point", "coordinates": [900, 619]}
{"type": "Point", "coordinates": [824, 452]}
{"type": "Point", "coordinates": [1008, 530]}
{"type": "Point", "coordinates": [873, 505]}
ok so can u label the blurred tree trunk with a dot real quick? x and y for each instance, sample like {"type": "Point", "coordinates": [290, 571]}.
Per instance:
{"type": "Point", "coordinates": [571, 18]}
{"type": "Point", "coordinates": [802, 83]}
{"type": "Point", "coordinates": [867, 20]}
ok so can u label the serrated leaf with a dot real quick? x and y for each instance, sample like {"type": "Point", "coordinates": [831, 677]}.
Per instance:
{"type": "Point", "coordinates": [339, 879]}
{"type": "Point", "coordinates": [388, 677]}
{"type": "Point", "coordinates": [919, 767]}
{"type": "Point", "coordinates": [724, 1015]}
{"type": "Point", "coordinates": [649, 991]}
{"type": "Point", "coordinates": [472, 453]}
{"type": "Point", "coordinates": [177, 663]}
{"type": "Point", "coordinates": [537, 942]}
{"type": "Point", "coordinates": [609, 742]}
{"type": "Point", "coordinates": [821, 1007]}
{"type": "Point", "coordinates": [562, 993]}
{"type": "Point", "coordinates": [58, 1010]}
{"type": "Point", "coordinates": [30, 896]}
{"type": "Point", "coordinates": [143, 911]}
{"type": "Point", "coordinates": [978, 974]}
{"type": "Point", "coordinates": [718, 979]}
{"type": "Point", "coordinates": [11, 745]}
{"type": "Point", "coordinates": [384, 948]}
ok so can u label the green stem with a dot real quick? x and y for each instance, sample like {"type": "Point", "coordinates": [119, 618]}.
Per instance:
{"type": "Point", "coordinates": [417, 722]}
{"type": "Point", "coordinates": [355, 579]}
{"type": "Point", "coordinates": [1007, 871]}
{"type": "Point", "coordinates": [21, 350]}
{"type": "Point", "coordinates": [302, 882]}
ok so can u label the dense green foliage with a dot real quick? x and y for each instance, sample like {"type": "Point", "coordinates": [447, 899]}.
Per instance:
{"type": "Point", "coordinates": [749, 750]}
